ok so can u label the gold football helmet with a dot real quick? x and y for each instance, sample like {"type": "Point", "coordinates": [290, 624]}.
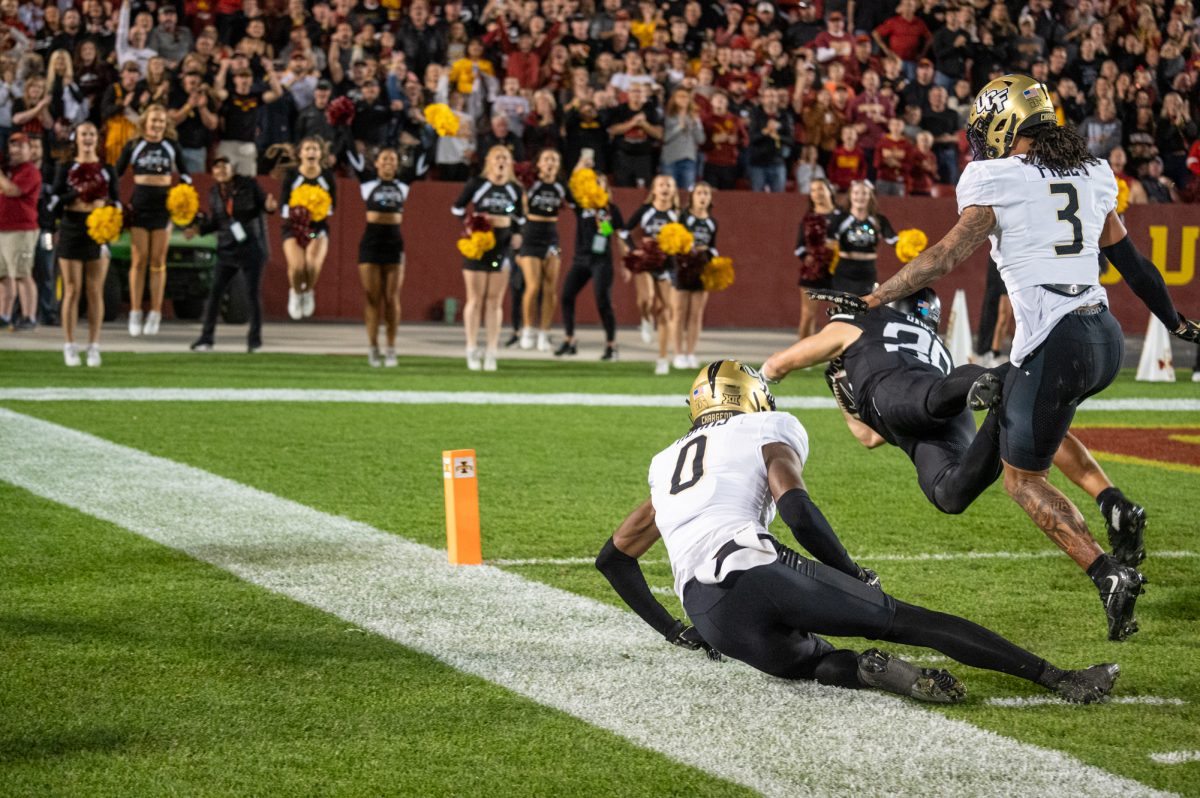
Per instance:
{"type": "Point", "coordinates": [728, 387]}
{"type": "Point", "coordinates": [1004, 108]}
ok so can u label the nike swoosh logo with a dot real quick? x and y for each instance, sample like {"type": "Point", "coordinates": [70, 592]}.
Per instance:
{"type": "Point", "coordinates": [1114, 580]}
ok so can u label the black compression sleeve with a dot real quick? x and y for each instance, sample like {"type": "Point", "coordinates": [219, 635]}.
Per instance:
{"type": "Point", "coordinates": [1144, 280]}
{"type": "Point", "coordinates": [625, 575]}
{"type": "Point", "coordinates": [813, 532]}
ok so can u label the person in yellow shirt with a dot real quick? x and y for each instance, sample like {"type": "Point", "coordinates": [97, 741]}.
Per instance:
{"type": "Point", "coordinates": [463, 71]}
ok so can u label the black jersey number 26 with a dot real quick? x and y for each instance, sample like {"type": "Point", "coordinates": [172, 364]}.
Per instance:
{"type": "Point", "coordinates": [694, 448]}
{"type": "Point", "coordinates": [1069, 214]}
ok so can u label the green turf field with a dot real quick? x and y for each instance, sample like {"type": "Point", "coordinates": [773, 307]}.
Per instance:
{"type": "Point", "coordinates": [131, 669]}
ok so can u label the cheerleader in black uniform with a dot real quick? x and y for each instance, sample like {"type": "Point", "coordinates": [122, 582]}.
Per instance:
{"type": "Point", "coordinates": [154, 155]}
{"type": "Point", "coordinates": [498, 197]}
{"type": "Point", "coordinates": [690, 297]}
{"type": "Point", "coordinates": [304, 263]}
{"type": "Point", "coordinates": [539, 255]}
{"type": "Point", "coordinates": [592, 262]}
{"type": "Point", "coordinates": [815, 248]}
{"type": "Point", "coordinates": [381, 251]}
{"type": "Point", "coordinates": [654, 292]}
{"type": "Point", "coordinates": [859, 232]}
{"type": "Point", "coordinates": [78, 253]}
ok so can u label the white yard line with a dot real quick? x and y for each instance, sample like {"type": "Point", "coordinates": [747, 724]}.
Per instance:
{"type": "Point", "coordinates": [867, 558]}
{"type": "Point", "coordinates": [1048, 700]}
{"type": "Point", "coordinates": [1176, 757]}
{"type": "Point", "coordinates": [468, 398]}
{"type": "Point", "coordinates": [591, 660]}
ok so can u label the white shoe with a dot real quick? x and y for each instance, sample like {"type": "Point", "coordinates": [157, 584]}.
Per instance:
{"type": "Point", "coordinates": [1196, 375]}
{"type": "Point", "coordinates": [308, 302]}
{"type": "Point", "coordinates": [93, 356]}
{"type": "Point", "coordinates": [71, 355]}
{"type": "Point", "coordinates": [527, 338]}
{"type": "Point", "coordinates": [543, 341]}
{"type": "Point", "coordinates": [693, 362]}
{"type": "Point", "coordinates": [473, 362]}
{"type": "Point", "coordinates": [679, 362]}
{"type": "Point", "coordinates": [295, 308]}
{"type": "Point", "coordinates": [373, 357]}
{"type": "Point", "coordinates": [389, 359]}
{"type": "Point", "coordinates": [135, 323]}
{"type": "Point", "coordinates": [647, 331]}
{"type": "Point", "coordinates": [489, 361]}
{"type": "Point", "coordinates": [153, 319]}
{"type": "Point", "coordinates": [662, 366]}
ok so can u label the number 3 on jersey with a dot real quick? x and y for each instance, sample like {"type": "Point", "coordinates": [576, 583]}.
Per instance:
{"type": "Point", "coordinates": [693, 450]}
{"type": "Point", "coordinates": [1069, 214]}
{"type": "Point", "coordinates": [918, 342]}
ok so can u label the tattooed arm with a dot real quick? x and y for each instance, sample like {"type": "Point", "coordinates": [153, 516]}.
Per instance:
{"type": "Point", "coordinates": [925, 269]}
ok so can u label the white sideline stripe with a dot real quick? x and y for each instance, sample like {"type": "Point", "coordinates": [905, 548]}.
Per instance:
{"type": "Point", "coordinates": [467, 398]}
{"type": "Point", "coordinates": [1047, 700]}
{"type": "Point", "coordinates": [583, 657]}
{"type": "Point", "coordinates": [1176, 757]}
{"type": "Point", "coordinates": [930, 556]}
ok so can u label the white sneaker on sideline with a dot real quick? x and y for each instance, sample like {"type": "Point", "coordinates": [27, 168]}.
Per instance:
{"type": "Point", "coordinates": [679, 362]}
{"type": "Point", "coordinates": [93, 356]}
{"type": "Point", "coordinates": [489, 361]}
{"type": "Point", "coordinates": [295, 308]}
{"type": "Point", "coordinates": [662, 366]}
{"type": "Point", "coordinates": [473, 362]}
{"type": "Point", "coordinates": [71, 355]}
{"type": "Point", "coordinates": [693, 361]}
{"type": "Point", "coordinates": [373, 357]}
{"type": "Point", "coordinates": [543, 341]}
{"type": "Point", "coordinates": [527, 338]}
{"type": "Point", "coordinates": [308, 303]}
{"type": "Point", "coordinates": [389, 359]}
{"type": "Point", "coordinates": [153, 319]}
{"type": "Point", "coordinates": [647, 331]}
{"type": "Point", "coordinates": [135, 323]}
{"type": "Point", "coordinates": [1196, 375]}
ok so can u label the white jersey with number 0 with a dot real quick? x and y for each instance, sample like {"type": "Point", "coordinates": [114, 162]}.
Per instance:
{"type": "Point", "coordinates": [1048, 227]}
{"type": "Point", "coordinates": [712, 483]}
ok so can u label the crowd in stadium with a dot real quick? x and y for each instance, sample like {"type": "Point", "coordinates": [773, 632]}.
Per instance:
{"type": "Point", "coordinates": [765, 96]}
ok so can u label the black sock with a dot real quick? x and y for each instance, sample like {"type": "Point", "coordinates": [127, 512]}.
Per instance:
{"type": "Point", "coordinates": [996, 353]}
{"type": "Point", "coordinates": [1050, 675]}
{"type": "Point", "coordinates": [1108, 497]}
{"type": "Point", "coordinates": [1102, 567]}
{"type": "Point", "coordinates": [948, 396]}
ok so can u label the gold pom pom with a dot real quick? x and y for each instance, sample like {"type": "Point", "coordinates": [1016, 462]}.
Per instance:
{"type": "Point", "coordinates": [587, 190]}
{"type": "Point", "coordinates": [910, 244]}
{"type": "Point", "coordinates": [104, 224]}
{"type": "Point", "coordinates": [182, 203]}
{"type": "Point", "coordinates": [476, 245]}
{"type": "Point", "coordinates": [717, 274]}
{"type": "Point", "coordinates": [1122, 195]}
{"type": "Point", "coordinates": [314, 199]}
{"type": "Point", "coordinates": [674, 239]}
{"type": "Point", "coordinates": [441, 119]}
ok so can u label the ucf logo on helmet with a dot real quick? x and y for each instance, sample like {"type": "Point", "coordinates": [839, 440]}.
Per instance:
{"type": "Point", "coordinates": [991, 101]}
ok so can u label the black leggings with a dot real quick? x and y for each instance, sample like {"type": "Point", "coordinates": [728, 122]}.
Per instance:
{"type": "Point", "coordinates": [251, 267]}
{"type": "Point", "coordinates": [600, 271]}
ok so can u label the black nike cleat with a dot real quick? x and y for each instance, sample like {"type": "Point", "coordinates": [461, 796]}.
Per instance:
{"type": "Point", "coordinates": [1118, 592]}
{"type": "Point", "coordinates": [565, 348]}
{"type": "Point", "coordinates": [1126, 524]}
{"type": "Point", "coordinates": [985, 392]}
{"type": "Point", "coordinates": [1089, 685]}
{"type": "Point", "coordinates": [887, 672]}
{"type": "Point", "coordinates": [610, 354]}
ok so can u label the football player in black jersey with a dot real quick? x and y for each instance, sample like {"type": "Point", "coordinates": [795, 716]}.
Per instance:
{"type": "Point", "coordinates": [539, 255]}
{"type": "Point", "coordinates": [895, 383]}
{"type": "Point", "coordinates": [690, 296]}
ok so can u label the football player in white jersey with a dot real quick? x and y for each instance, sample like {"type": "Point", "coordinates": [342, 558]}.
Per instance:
{"type": "Point", "coordinates": [712, 494]}
{"type": "Point", "coordinates": [1049, 208]}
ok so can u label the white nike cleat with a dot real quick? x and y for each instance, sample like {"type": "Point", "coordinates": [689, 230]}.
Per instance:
{"type": "Point", "coordinates": [389, 359]}
{"type": "Point", "coordinates": [71, 355]}
{"type": "Point", "coordinates": [135, 323]}
{"type": "Point", "coordinates": [693, 362]}
{"type": "Point", "coordinates": [662, 366]}
{"type": "Point", "coordinates": [295, 307]}
{"type": "Point", "coordinates": [153, 319]}
{"type": "Point", "coordinates": [647, 331]}
{"type": "Point", "coordinates": [543, 341]}
{"type": "Point", "coordinates": [473, 361]}
{"type": "Point", "coordinates": [679, 362]}
{"type": "Point", "coordinates": [308, 303]}
{"type": "Point", "coordinates": [373, 359]}
{"type": "Point", "coordinates": [93, 356]}
{"type": "Point", "coordinates": [489, 361]}
{"type": "Point", "coordinates": [527, 338]}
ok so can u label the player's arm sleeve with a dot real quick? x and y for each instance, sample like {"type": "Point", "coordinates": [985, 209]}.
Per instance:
{"type": "Point", "coordinates": [625, 574]}
{"type": "Point", "coordinates": [1144, 280]}
{"type": "Point", "coordinates": [975, 187]}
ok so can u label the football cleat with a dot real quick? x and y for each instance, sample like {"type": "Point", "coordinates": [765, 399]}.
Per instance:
{"type": "Point", "coordinates": [1089, 685]}
{"type": "Point", "coordinates": [1126, 522]}
{"type": "Point", "coordinates": [985, 392]}
{"type": "Point", "coordinates": [887, 672]}
{"type": "Point", "coordinates": [1118, 592]}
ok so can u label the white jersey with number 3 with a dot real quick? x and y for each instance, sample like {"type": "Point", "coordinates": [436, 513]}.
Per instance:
{"type": "Point", "coordinates": [1048, 227]}
{"type": "Point", "coordinates": [712, 483]}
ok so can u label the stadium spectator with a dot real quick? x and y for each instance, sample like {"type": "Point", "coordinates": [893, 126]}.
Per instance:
{"type": "Point", "coordinates": [498, 134]}
{"type": "Point", "coordinates": [1102, 130]}
{"type": "Point", "coordinates": [771, 140]}
{"type": "Point", "coordinates": [869, 113]}
{"type": "Point", "coordinates": [834, 43]}
{"type": "Point", "coordinates": [952, 48]}
{"type": "Point", "coordinates": [891, 160]}
{"type": "Point", "coordinates": [943, 124]}
{"type": "Point", "coordinates": [725, 135]}
{"type": "Point", "coordinates": [20, 186]}
{"type": "Point", "coordinates": [849, 162]}
{"type": "Point", "coordinates": [683, 133]}
{"type": "Point", "coordinates": [822, 122]}
{"type": "Point", "coordinates": [922, 168]}
{"type": "Point", "coordinates": [904, 36]}
{"type": "Point", "coordinates": [168, 39]}
{"type": "Point", "coordinates": [635, 126]}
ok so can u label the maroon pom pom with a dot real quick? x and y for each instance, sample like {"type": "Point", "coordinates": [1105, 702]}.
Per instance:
{"type": "Point", "coordinates": [652, 258]}
{"type": "Point", "coordinates": [687, 270]}
{"type": "Point", "coordinates": [88, 181]}
{"type": "Point", "coordinates": [300, 223]}
{"type": "Point", "coordinates": [340, 112]}
{"type": "Point", "coordinates": [478, 223]}
{"type": "Point", "coordinates": [526, 173]}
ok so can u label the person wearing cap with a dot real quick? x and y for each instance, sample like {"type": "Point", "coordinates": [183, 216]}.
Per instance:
{"type": "Point", "coordinates": [768, 21]}
{"type": "Point", "coordinates": [917, 91]}
{"type": "Point", "coordinates": [805, 29]}
{"type": "Point", "coordinates": [239, 114]}
{"type": "Point", "coordinates": [373, 120]}
{"type": "Point", "coordinates": [168, 39]}
{"type": "Point", "coordinates": [20, 186]}
{"type": "Point", "coordinates": [191, 110]}
{"type": "Point", "coordinates": [834, 41]}
{"type": "Point", "coordinates": [904, 35]}
{"type": "Point", "coordinates": [1026, 47]}
{"type": "Point", "coordinates": [312, 121]}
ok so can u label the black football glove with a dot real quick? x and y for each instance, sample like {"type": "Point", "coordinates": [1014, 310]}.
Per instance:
{"type": "Point", "coordinates": [687, 637]}
{"type": "Point", "coordinates": [870, 578]}
{"type": "Point", "coordinates": [843, 302]}
{"type": "Point", "coordinates": [1189, 333]}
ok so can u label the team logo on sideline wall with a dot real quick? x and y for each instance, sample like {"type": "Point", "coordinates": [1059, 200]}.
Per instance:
{"type": "Point", "coordinates": [991, 101]}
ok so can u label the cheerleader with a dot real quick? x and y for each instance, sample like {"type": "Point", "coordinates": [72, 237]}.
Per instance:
{"type": "Point", "coordinates": [815, 248]}
{"type": "Point", "coordinates": [690, 296]}
{"type": "Point", "coordinates": [654, 292]}
{"type": "Point", "coordinates": [381, 251]}
{"type": "Point", "coordinates": [859, 232]}
{"type": "Point", "coordinates": [78, 253]}
{"type": "Point", "coordinates": [304, 262]}
{"type": "Point", "coordinates": [539, 255]}
{"type": "Point", "coordinates": [498, 197]}
{"type": "Point", "coordinates": [154, 155]}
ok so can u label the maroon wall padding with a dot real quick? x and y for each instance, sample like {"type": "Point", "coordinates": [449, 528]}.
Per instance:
{"type": "Point", "coordinates": [757, 230]}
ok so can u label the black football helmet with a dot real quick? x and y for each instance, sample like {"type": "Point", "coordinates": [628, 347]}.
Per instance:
{"type": "Point", "coordinates": [924, 305]}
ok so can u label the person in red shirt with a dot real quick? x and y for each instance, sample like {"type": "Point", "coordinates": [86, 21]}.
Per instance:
{"type": "Point", "coordinates": [869, 112]}
{"type": "Point", "coordinates": [834, 43]}
{"type": "Point", "coordinates": [891, 159]}
{"type": "Point", "coordinates": [725, 136]}
{"type": "Point", "coordinates": [20, 185]}
{"type": "Point", "coordinates": [921, 168]}
{"type": "Point", "coordinates": [848, 162]}
{"type": "Point", "coordinates": [904, 36]}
